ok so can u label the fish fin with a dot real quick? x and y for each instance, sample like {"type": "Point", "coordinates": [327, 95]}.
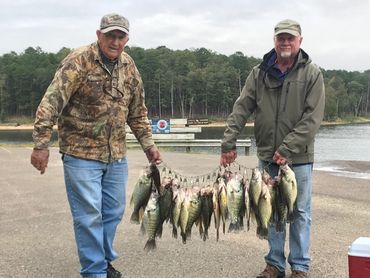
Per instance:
{"type": "Point", "coordinates": [150, 245]}
{"type": "Point", "coordinates": [142, 229]}
{"type": "Point", "coordinates": [132, 200]}
{"type": "Point", "coordinates": [188, 234]}
{"type": "Point", "coordinates": [141, 213]}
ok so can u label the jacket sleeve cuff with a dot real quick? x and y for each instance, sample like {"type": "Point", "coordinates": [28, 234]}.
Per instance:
{"type": "Point", "coordinates": [226, 147]}
{"type": "Point", "coordinates": [284, 152]}
{"type": "Point", "coordinates": [146, 143]}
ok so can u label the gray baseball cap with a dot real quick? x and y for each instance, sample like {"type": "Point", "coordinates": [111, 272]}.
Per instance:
{"type": "Point", "coordinates": [112, 22]}
{"type": "Point", "coordinates": [288, 26]}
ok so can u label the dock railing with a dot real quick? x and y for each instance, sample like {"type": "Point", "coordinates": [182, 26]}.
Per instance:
{"type": "Point", "coordinates": [184, 137]}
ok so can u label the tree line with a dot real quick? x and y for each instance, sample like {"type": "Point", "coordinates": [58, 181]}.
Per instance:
{"type": "Point", "coordinates": [178, 83]}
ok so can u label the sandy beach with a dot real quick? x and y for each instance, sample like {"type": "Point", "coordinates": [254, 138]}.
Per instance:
{"type": "Point", "coordinates": [36, 236]}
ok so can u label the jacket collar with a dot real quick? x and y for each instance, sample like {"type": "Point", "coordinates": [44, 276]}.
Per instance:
{"type": "Point", "coordinates": [268, 60]}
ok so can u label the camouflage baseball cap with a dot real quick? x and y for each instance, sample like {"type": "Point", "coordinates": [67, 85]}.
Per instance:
{"type": "Point", "coordinates": [112, 22]}
{"type": "Point", "coordinates": [288, 26]}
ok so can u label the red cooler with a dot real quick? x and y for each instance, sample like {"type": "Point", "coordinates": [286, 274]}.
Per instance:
{"type": "Point", "coordinates": [359, 258]}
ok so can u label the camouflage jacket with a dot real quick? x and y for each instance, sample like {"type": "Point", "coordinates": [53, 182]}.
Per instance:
{"type": "Point", "coordinates": [92, 107]}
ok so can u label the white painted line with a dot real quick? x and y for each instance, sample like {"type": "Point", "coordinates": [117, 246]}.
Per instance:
{"type": "Point", "coordinates": [5, 150]}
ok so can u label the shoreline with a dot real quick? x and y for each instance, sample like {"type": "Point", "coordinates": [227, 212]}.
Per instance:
{"type": "Point", "coordinates": [11, 127]}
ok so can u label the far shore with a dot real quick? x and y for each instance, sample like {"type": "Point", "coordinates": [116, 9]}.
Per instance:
{"type": "Point", "coordinates": [16, 126]}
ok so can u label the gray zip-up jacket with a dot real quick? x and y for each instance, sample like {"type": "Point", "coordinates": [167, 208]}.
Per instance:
{"type": "Point", "coordinates": [288, 112]}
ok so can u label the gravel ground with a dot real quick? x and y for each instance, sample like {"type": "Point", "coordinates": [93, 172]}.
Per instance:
{"type": "Point", "coordinates": [36, 236]}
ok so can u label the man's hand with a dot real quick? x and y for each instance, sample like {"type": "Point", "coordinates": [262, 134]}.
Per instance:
{"type": "Point", "coordinates": [279, 159]}
{"type": "Point", "coordinates": [228, 157]}
{"type": "Point", "coordinates": [153, 155]}
{"type": "Point", "coordinates": [40, 159]}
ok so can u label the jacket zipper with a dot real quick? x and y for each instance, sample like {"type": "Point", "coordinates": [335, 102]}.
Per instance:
{"type": "Point", "coordinates": [278, 95]}
{"type": "Point", "coordinates": [109, 146]}
{"type": "Point", "coordinates": [286, 96]}
{"type": "Point", "coordinates": [110, 125]}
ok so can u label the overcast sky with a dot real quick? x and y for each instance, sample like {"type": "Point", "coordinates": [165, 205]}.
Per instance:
{"type": "Point", "coordinates": [335, 32]}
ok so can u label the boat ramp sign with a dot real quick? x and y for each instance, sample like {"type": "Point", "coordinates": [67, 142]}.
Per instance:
{"type": "Point", "coordinates": [160, 125]}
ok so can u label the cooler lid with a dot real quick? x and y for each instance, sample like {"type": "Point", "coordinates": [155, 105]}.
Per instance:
{"type": "Point", "coordinates": [360, 247]}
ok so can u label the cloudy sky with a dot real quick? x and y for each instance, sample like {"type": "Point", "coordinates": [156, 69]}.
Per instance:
{"type": "Point", "coordinates": [335, 32]}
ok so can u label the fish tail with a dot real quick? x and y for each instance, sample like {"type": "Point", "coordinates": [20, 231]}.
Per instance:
{"type": "Point", "coordinates": [183, 236]}
{"type": "Point", "coordinates": [135, 217]}
{"type": "Point", "coordinates": [234, 227]}
{"type": "Point", "coordinates": [280, 227]}
{"type": "Point", "coordinates": [159, 231]}
{"type": "Point", "coordinates": [290, 217]}
{"type": "Point", "coordinates": [205, 235]}
{"type": "Point", "coordinates": [263, 233]}
{"type": "Point", "coordinates": [150, 245]}
{"type": "Point", "coordinates": [174, 231]}
{"type": "Point", "coordinates": [217, 234]}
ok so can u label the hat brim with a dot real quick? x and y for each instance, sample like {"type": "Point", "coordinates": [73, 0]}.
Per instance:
{"type": "Point", "coordinates": [288, 31]}
{"type": "Point", "coordinates": [111, 28]}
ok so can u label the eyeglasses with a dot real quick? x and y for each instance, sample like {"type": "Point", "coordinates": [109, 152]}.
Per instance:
{"type": "Point", "coordinates": [112, 36]}
{"type": "Point", "coordinates": [116, 97]}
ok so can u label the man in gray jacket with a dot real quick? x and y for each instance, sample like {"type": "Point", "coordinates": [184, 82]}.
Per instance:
{"type": "Point", "coordinates": [286, 93]}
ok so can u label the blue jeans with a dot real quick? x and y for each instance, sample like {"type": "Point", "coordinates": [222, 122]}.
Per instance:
{"type": "Point", "coordinates": [299, 230]}
{"type": "Point", "coordinates": [97, 197]}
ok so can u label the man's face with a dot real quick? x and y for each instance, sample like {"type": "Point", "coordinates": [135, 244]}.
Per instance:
{"type": "Point", "coordinates": [112, 43]}
{"type": "Point", "coordinates": [286, 45]}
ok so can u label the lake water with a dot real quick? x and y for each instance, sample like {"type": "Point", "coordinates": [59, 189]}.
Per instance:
{"type": "Point", "coordinates": [336, 142]}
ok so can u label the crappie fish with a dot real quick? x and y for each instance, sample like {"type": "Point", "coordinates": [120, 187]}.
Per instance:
{"type": "Point", "coordinates": [151, 220]}
{"type": "Point", "coordinates": [165, 202]}
{"type": "Point", "coordinates": [255, 187]}
{"type": "Point", "coordinates": [281, 210]}
{"type": "Point", "coordinates": [288, 187]}
{"type": "Point", "coordinates": [178, 197]}
{"type": "Point", "coordinates": [206, 195]}
{"type": "Point", "coordinates": [247, 204]}
{"type": "Point", "coordinates": [235, 197]}
{"type": "Point", "coordinates": [155, 176]}
{"type": "Point", "coordinates": [216, 209]}
{"type": "Point", "coordinates": [190, 212]}
{"type": "Point", "coordinates": [222, 202]}
{"type": "Point", "coordinates": [265, 210]}
{"type": "Point", "coordinates": [141, 194]}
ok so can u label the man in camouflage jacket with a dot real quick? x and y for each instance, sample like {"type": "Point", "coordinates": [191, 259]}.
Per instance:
{"type": "Point", "coordinates": [95, 92]}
